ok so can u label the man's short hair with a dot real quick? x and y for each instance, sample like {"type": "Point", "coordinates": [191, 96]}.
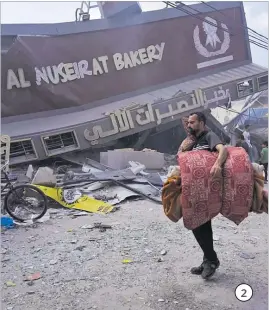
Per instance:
{"type": "Point", "coordinates": [265, 143]}
{"type": "Point", "coordinates": [201, 117]}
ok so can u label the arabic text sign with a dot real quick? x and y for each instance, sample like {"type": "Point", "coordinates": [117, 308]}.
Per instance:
{"type": "Point", "coordinates": [218, 96]}
{"type": "Point", "coordinates": [125, 120]}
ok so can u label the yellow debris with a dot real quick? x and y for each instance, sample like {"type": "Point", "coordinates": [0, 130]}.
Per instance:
{"type": "Point", "coordinates": [127, 261]}
{"type": "Point", "coordinates": [83, 203]}
{"type": "Point", "coordinates": [10, 284]}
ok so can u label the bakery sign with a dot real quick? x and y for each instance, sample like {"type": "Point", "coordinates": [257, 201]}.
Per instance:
{"type": "Point", "coordinates": [46, 73]}
{"type": "Point", "coordinates": [214, 46]}
{"type": "Point", "coordinates": [65, 72]}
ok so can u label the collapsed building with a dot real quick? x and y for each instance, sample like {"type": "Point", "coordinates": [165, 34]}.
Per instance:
{"type": "Point", "coordinates": [124, 80]}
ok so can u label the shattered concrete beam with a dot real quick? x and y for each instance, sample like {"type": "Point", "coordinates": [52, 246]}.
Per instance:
{"type": "Point", "coordinates": [119, 159]}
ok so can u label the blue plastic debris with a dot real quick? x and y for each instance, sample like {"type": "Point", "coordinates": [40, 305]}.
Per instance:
{"type": "Point", "coordinates": [7, 222]}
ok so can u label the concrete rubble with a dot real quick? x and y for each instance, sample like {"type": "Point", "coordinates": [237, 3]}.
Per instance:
{"type": "Point", "coordinates": [131, 259]}
{"type": "Point", "coordinates": [67, 263]}
{"type": "Point", "coordinates": [102, 182]}
{"type": "Point", "coordinates": [99, 181]}
{"type": "Point", "coordinates": [119, 159]}
{"type": "Point", "coordinates": [44, 176]}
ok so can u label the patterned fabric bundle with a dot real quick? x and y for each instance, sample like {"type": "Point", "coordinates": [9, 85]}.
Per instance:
{"type": "Point", "coordinates": [198, 198]}
{"type": "Point", "coordinates": [203, 197]}
{"type": "Point", "coordinates": [171, 194]}
{"type": "Point", "coordinates": [260, 195]}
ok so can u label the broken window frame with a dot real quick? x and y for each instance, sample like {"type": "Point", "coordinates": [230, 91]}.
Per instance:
{"type": "Point", "coordinates": [60, 149]}
{"type": "Point", "coordinates": [263, 86]}
{"type": "Point", "coordinates": [26, 154]}
{"type": "Point", "coordinates": [244, 94]}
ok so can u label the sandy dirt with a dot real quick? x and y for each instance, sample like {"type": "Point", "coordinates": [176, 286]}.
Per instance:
{"type": "Point", "coordinates": [83, 268]}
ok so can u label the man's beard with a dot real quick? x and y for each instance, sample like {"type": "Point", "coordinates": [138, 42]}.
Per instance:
{"type": "Point", "coordinates": [192, 131]}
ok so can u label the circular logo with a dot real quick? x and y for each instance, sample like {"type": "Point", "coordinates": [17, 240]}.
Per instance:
{"type": "Point", "coordinates": [243, 292]}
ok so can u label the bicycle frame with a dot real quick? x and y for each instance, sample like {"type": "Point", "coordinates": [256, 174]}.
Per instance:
{"type": "Point", "coordinates": [8, 185]}
{"type": "Point", "coordinates": [19, 191]}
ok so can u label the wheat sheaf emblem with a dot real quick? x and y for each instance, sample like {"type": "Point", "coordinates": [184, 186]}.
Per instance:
{"type": "Point", "coordinates": [210, 28]}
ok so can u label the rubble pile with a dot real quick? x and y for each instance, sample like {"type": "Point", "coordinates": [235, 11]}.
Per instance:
{"type": "Point", "coordinates": [99, 187]}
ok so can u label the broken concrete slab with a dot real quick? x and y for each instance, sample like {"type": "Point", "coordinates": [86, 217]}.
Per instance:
{"type": "Point", "coordinates": [30, 172]}
{"type": "Point", "coordinates": [119, 159]}
{"type": "Point", "coordinates": [137, 167]}
{"type": "Point", "coordinates": [86, 168]}
{"type": "Point", "coordinates": [44, 176]}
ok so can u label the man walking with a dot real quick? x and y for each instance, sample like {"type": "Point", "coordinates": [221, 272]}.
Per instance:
{"type": "Point", "coordinates": [264, 159]}
{"type": "Point", "coordinates": [242, 143]}
{"type": "Point", "coordinates": [246, 136]}
{"type": "Point", "coordinates": [206, 140]}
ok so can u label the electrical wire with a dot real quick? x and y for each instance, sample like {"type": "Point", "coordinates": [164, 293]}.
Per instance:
{"type": "Point", "coordinates": [250, 40]}
{"type": "Point", "coordinates": [244, 27]}
{"type": "Point", "coordinates": [168, 3]}
{"type": "Point", "coordinates": [261, 40]}
{"type": "Point", "coordinates": [240, 113]}
{"type": "Point", "coordinates": [195, 15]}
{"type": "Point", "coordinates": [235, 119]}
{"type": "Point", "coordinates": [259, 44]}
{"type": "Point", "coordinates": [250, 29]}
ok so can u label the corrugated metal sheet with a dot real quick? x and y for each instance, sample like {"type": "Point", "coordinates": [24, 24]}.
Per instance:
{"type": "Point", "coordinates": [245, 113]}
{"type": "Point", "coordinates": [253, 116]}
{"type": "Point", "coordinates": [204, 82]}
{"type": "Point", "coordinates": [222, 78]}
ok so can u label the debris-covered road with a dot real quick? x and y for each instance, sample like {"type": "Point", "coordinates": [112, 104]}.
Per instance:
{"type": "Point", "coordinates": [80, 267]}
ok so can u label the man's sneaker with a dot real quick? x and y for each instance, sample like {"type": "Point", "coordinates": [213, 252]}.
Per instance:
{"type": "Point", "coordinates": [209, 268]}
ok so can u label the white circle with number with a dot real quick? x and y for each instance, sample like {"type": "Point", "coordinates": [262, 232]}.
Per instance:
{"type": "Point", "coordinates": [243, 292]}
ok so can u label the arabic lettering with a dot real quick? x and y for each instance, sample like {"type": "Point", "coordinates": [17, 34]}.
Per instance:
{"type": "Point", "coordinates": [181, 106]}
{"type": "Point", "coordinates": [199, 98]}
{"type": "Point", "coordinates": [196, 101]}
{"type": "Point", "coordinates": [130, 119]}
{"type": "Point", "coordinates": [149, 115]}
{"type": "Point", "coordinates": [219, 95]}
{"type": "Point", "coordinates": [160, 116]}
{"type": "Point", "coordinates": [98, 131]}
{"type": "Point", "coordinates": [122, 120]}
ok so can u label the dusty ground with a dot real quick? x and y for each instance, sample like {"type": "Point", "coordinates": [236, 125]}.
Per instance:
{"type": "Point", "coordinates": [96, 278]}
